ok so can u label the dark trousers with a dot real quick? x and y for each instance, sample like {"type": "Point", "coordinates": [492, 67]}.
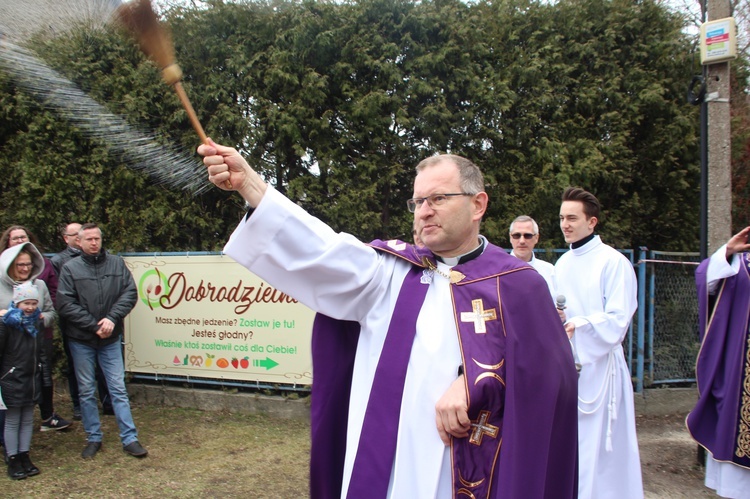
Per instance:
{"type": "Point", "coordinates": [47, 406]}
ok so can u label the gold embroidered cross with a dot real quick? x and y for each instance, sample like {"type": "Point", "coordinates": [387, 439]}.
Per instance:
{"type": "Point", "coordinates": [482, 428]}
{"type": "Point", "coordinates": [478, 316]}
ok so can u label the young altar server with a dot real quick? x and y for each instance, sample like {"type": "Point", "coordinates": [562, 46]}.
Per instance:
{"type": "Point", "coordinates": [600, 288]}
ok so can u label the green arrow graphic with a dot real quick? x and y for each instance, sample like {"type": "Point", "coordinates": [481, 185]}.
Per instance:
{"type": "Point", "coordinates": [268, 363]}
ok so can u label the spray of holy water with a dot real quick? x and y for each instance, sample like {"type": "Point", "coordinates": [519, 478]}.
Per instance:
{"type": "Point", "coordinates": [136, 149]}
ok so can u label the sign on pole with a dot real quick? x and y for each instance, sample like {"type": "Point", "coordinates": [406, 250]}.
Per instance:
{"type": "Point", "coordinates": [718, 41]}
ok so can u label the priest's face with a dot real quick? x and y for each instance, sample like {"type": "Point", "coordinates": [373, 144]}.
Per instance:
{"type": "Point", "coordinates": [451, 226]}
{"type": "Point", "coordinates": [573, 222]}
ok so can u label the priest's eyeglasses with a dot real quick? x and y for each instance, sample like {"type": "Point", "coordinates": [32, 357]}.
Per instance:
{"type": "Point", "coordinates": [435, 200]}
{"type": "Point", "coordinates": [517, 235]}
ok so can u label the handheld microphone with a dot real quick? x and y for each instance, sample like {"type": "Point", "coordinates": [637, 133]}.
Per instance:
{"type": "Point", "coordinates": [560, 302]}
{"type": "Point", "coordinates": [560, 305]}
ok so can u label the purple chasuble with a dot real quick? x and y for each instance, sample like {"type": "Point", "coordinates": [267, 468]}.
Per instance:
{"type": "Point", "coordinates": [720, 421]}
{"type": "Point", "coordinates": [334, 344]}
{"type": "Point", "coordinates": [520, 379]}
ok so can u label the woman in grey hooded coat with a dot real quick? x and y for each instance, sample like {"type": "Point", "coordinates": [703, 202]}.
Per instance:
{"type": "Point", "coordinates": [14, 270]}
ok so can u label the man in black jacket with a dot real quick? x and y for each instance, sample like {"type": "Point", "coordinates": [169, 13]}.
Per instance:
{"type": "Point", "coordinates": [95, 294]}
{"type": "Point", "coordinates": [72, 249]}
{"type": "Point", "coordinates": [70, 234]}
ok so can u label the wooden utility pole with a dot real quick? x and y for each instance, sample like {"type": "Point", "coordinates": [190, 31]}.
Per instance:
{"type": "Point", "coordinates": [719, 142]}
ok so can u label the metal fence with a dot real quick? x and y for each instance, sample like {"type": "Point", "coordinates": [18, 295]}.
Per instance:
{"type": "Point", "coordinates": [670, 328]}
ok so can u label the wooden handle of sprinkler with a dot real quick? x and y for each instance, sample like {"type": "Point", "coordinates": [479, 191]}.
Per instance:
{"type": "Point", "coordinates": [172, 74]}
{"type": "Point", "coordinates": [190, 111]}
{"type": "Point", "coordinates": [193, 117]}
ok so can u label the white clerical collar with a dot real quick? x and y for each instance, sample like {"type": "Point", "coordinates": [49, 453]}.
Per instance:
{"type": "Point", "coordinates": [452, 261]}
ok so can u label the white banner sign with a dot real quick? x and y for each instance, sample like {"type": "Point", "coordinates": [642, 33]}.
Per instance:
{"type": "Point", "coordinates": [207, 316]}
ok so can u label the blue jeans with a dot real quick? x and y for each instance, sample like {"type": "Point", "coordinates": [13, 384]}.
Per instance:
{"type": "Point", "coordinates": [109, 358]}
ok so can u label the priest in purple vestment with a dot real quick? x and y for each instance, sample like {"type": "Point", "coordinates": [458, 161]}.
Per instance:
{"type": "Point", "coordinates": [720, 421]}
{"type": "Point", "coordinates": [438, 371]}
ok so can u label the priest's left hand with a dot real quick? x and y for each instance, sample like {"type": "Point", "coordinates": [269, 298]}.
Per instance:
{"type": "Point", "coordinates": [451, 412]}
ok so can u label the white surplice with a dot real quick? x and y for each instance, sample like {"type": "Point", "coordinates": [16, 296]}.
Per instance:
{"type": "Point", "coordinates": [341, 277]}
{"type": "Point", "coordinates": [727, 479]}
{"type": "Point", "coordinates": [601, 291]}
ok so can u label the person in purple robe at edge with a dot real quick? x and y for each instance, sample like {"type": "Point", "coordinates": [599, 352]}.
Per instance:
{"type": "Point", "coordinates": [720, 421]}
{"type": "Point", "coordinates": [438, 371]}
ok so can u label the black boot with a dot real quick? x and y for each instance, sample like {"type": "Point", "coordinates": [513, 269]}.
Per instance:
{"type": "Point", "coordinates": [15, 468]}
{"type": "Point", "coordinates": [28, 466]}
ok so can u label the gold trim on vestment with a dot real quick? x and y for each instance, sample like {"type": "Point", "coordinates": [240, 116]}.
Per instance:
{"type": "Point", "coordinates": [467, 483]}
{"type": "Point", "coordinates": [489, 375]}
{"type": "Point", "coordinates": [489, 367]}
{"type": "Point", "coordinates": [743, 432]}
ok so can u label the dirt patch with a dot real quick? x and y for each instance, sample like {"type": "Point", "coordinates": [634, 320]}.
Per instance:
{"type": "Point", "coordinates": [669, 459]}
{"type": "Point", "coordinates": [195, 453]}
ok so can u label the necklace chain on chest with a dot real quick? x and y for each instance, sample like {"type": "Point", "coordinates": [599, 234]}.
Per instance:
{"type": "Point", "coordinates": [454, 276]}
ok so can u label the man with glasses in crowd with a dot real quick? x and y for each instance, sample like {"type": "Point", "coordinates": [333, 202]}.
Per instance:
{"type": "Point", "coordinates": [72, 250]}
{"type": "Point", "coordinates": [71, 236]}
{"type": "Point", "coordinates": [72, 246]}
{"type": "Point", "coordinates": [428, 380]}
{"type": "Point", "coordinates": [524, 236]}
